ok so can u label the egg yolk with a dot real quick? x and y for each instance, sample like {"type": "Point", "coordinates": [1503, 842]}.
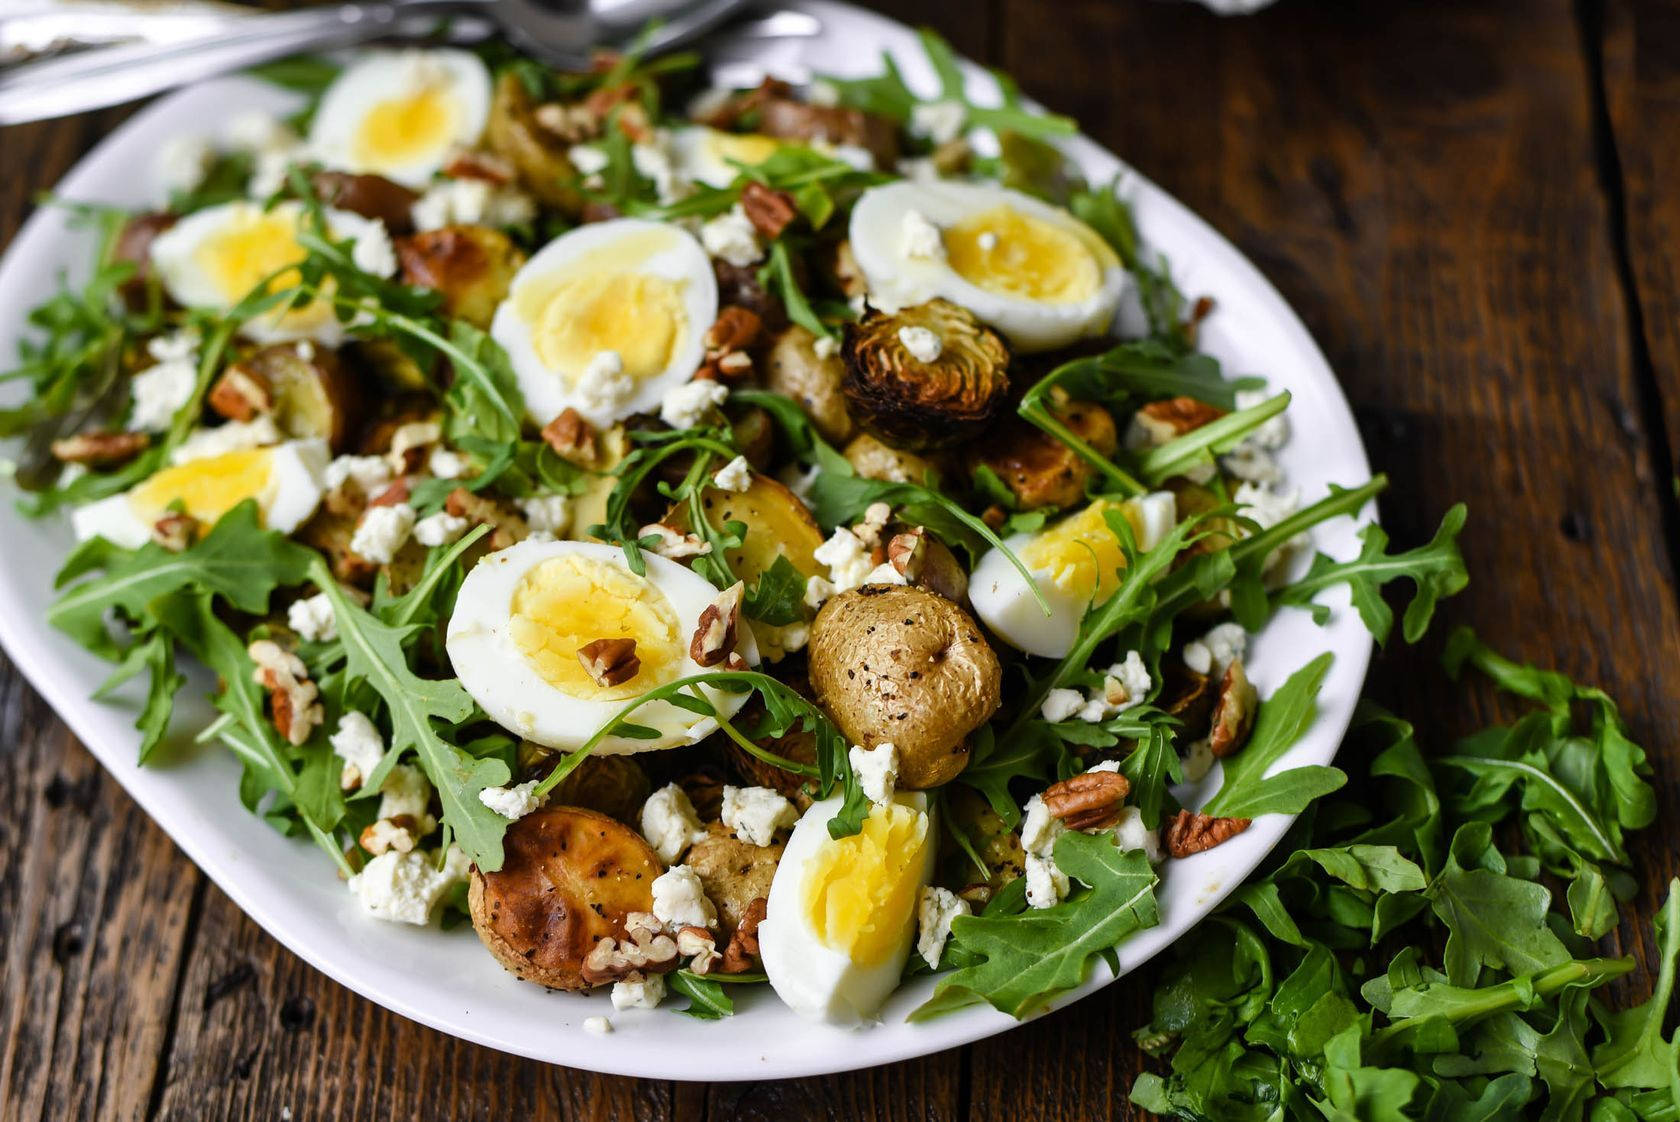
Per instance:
{"type": "Point", "coordinates": [860, 891]}
{"type": "Point", "coordinates": [568, 602]}
{"type": "Point", "coordinates": [402, 130]}
{"type": "Point", "coordinates": [746, 148]}
{"type": "Point", "coordinates": [1080, 553]}
{"type": "Point", "coordinates": [207, 488]}
{"type": "Point", "coordinates": [251, 246]}
{"type": "Point", "coordinates": [600, 301]}
{"type": "Point", "coordinates": [1005, 251]}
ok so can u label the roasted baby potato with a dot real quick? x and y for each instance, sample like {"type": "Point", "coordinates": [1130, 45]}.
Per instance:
{"type": "Point", "coordinates": [916, 404]}
{"type": "Point", "coordinates": [733, 872]}
{"type": "Point", "coordinates": [472, 266]}
{"type": "Point", "coordinates": [314, 395]}
{"type": "Point", "coordinates": [134, 246]}
{"type": "Point", "coordinates": [538, 158]}
{"type": "Point", "coordinates": [795, 370]}
{"type": "Point", "coordinates": [901, 664]}
{"type": "Point", "coordinates": [873, 458]}
{"type": "Point", "coordinates": [371, 196]}
{"type": "Point", "coordinates": [1038, 467]}
{"type": "Point", "coordinates": [926, 562]}
{"type": "Point", "coordinates": [779, 524]}
{"type": "Point", "coordinates": [613, 785]}
{"type": "Point", "coordinates": [569, 878]}
{"type": "Point", "coordinates": [998, 847]}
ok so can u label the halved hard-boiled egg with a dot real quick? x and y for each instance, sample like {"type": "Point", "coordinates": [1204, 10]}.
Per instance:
{"type": "Point", "coordinates": [524, 613]}
{"type": "Point", "coordinates": [1076, 562]}
{"type": "Point", "coordinates": [286, 480]}
{"type": "Point", "coordinates": [706, 155]}
{"type": "Point", "coordinates": [217, 256]}
{"type": "Point", "coordinates": [607, 318]}
{"type": "Point", "coordinates": [1029, 269]}
{"type": "Point", "coordinates": [400, 114]}
{"type": "Point", "coordinates": [841, 915]}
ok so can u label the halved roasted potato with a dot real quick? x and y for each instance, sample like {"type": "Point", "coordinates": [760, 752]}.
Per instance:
{"type": "Point", "coordinates": [538, 157]}
{"type": "Point", "coordinates": [734, 873]}
{"type": "Point", "coordinates": [794, 369]}
{"type": "Point", "coordinates": [779, 524]}
{"type": "Point", "coordinates": [472, 266]}
{"type": "Point", "coordinates": [1040, 469]}
{"type": "Point", "coordinates": [569, 878]}
{"type": "Point", "coordinates": [314, 395]}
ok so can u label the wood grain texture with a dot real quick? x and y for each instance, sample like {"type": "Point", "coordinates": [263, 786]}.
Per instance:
{"type": "Point", "coordinates": [1426, 183]}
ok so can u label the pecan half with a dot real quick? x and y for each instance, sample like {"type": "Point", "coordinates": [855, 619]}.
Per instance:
{"type": "Point", "coordinates": [572, 437]}
{"type": "Point", "coordinates": [640, 951]}
{"type": "Point", "coordinates": [735, 329]}
{"type": "Point", "coordinates": [698, 944]}
{"type": "Point", "coordinates": [396, 492]}
{"type": "Point", "coordinates": [738, 956]}
{"type": "Point", "coordinates": [1234, 712]}
{"type": "Point", "coordinates": [769, 210]}
{"type": "Point", "coordinates": [175, 531]}
{"type": "Point", "coordinates": [906, 552]}
{"type": "Point", "coordinates": [611, 662]}
{"type": "Point", "coordinates": [240, 394]}
{"type": "Point", "coordinates": [1190, 832]}
{"type": "Point", "coordinates": [1176, 416]}
{"type": "Point", "coordinates": [1090, 801]}
{"type": "Point", "coordinates": [714, 635]}
{"type": "Point", "coordinates": [100, 449]}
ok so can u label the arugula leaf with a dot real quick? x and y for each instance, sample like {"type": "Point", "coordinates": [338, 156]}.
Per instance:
{"type": "Point", "coordinates": [1102, 209]}
{"type": "Point", "coordinates": [374, 654]}
{"type": "Point", "coordinates": [1023, 961]}
{"type": "Point", "coordinates": [1634, 1053]}
{"type": "Point", "coordinates": [707, 999]}
{"type": "Point", "coordinates": [1436, 571]}
{"type": "Point", "coordinates": [778, 596]}
{"type": "Point", "coordinates": [1246, 791]}
{"type": "Point", "coordinates": [237, 560]}
{"type": "Point", "coordinates": [1199, 446]}
{"type": "Point", "coordinates": [1030, 752]}
{"type": "Point", "coordinates": [778, 277]}
{"type": "Point", "coordinates": [155, 655]}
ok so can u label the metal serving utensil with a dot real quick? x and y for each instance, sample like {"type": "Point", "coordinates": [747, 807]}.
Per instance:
{"type": "Point", "coordinates": [560, 32]}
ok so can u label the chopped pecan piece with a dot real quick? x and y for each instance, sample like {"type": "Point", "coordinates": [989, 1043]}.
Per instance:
{"type": "Point", "coordinates": [641, 951]}
{"type": "Point", "coordinates": [1234, 712]}
{"type": "Point", "coordinates": [1190, 832]}
{"type": "Point", "coordinates": [735, 329]}
{"type": "Point", "coordinates": [738, 956]}
{"type": "Point", "coordinates": [175, 531]}
{"type": "Point", "coordinates": [714, 635]}
{"type": "Point", "coordinates": [906, 552]}
{"type": "Point", "coordinates": [769, 210]}
{"type": "Point", "coordinates": [241, 394]}
{"type": "Point", "coordinates": [701, 948]}
{"type": "Point", "coordinates": [611, 662]}
{"type": "Point", "coordinates": [572, 437]}
{"type": "Point", "coordinates": [1175, 416]}
{"type": "Point", "coordinates": [100, 449]}
{"type": "Point", "coordinates": [1199, 311]}
{"type": "Point", "coordinates": [1090, 801]}
{"type": "Point", "coordinates": [293, 699]}
{"type": "Point", "coordinates": [396, 492]}
{"type": "Point", "coordinates": [510, 527]}
{"type": "Point", "coordinates": [474, 163]}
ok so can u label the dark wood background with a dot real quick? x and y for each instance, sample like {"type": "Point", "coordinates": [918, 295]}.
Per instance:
{"type": "Point", "coordinates": [1473, 205]}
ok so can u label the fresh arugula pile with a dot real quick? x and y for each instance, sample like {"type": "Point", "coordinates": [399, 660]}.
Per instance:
{"type": "Point", "coordinates": [1428, 947]}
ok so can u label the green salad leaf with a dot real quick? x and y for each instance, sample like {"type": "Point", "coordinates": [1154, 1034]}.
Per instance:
{"type": "Point", "coordinates": [1247, 791]}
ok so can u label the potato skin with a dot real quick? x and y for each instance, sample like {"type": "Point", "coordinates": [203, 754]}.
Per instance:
{"type": "Point", "coordinates": [569, 878]}
{"type": "Point", "coordinates": [1039, 468]}
{"type": "Point", "coordinates": [733, 872]}
{"type": "Point", "coordinates": [371, 196]}
{"type": "Point", "coordinates": [472, 266]}
{"type": "Point", "coordinates": [779, 524]}
{"type": "Point", "coordinates": [901, 664]}
{"type": "Point", "coordinates": [539, 159]}
{"type": "Point", "coordinates": [314, 396]}
{"type": "Point", "coordinates": [794, 370]}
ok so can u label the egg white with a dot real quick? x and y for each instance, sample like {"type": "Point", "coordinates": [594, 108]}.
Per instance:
{"type": "Point", "coordinates": [459, 77]}
{"type": "Point", "coordinates": [177, 258]}
{"type": "Point", "coordinates": [629, 245]}
{"type": "Point", "coordinates": [1004, 602]}
{"type": "Point", "coordinates": [813, 979]}
{"type": "Point", "coordinates": [295, 485]}
{"type": "Point", "coordinates": [898, 279]}
{"type": "Point", "coordinates": [497, 674]}
{"type": "Point", "coordinates": [702, 154]}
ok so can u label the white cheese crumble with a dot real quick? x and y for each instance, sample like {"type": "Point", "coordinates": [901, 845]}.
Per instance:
{"type": "Point", "coordinates": [233, 436]}
{"type": "Point", "coordinates": [549, 514]}
{"type": "Point", "coordinates": [922, 343]}
{"type": "Point", "coordinates": [679, 900]}
{"type": "Point", "coordinates": [939, 121]}
{"type": "Point", "coordinates": [407, 791]}
{"type": "Point", "coordinates": [1046, 884]}
{"type": "Point", "coordinates": [512, 803]}
{"type": "Point", "coordinates": [603, 386]}
{"type": "Point", "coordinates": [1215, 651]}
{"type": "Point", "coordinates": [587, 159]}
{"type": "Point", "coordinates": [731, 237]}
{"type": "Point", "coordinates": [653, 161]}
{"type": "Point", "coordinates": [735, 476]}
{"type": "Point", "coordinates": [920, 238]}
{"type": "Point", "coordinates": [1039, 828]}
{"type": "Point", "coordinates": [438, 529]}
{"type": "Point", "coordinates": [161, 390]}
{"type": "Point", "coordinates": [370, 474]}
{"type": "Point", "coordinates": [357, 742]}
{"type": "Point", "coordinates": [1274, 433]}
{"type": "Point", "coordinates": [669, 823]}
{"type": "Point", "coordinates": [471, 202]}
{"type": "Point", "coordinates": [687, 405]}
{"type": "Point", "coordinates": [447, 464]}
{"type": "Point", "coordinates": [847, 558]}
{"type": "Point", "coordinates": [269, 172]}
{"type": "Point", "coordinates": [884, 573]}
{"type": "Point", "coordinates": [639, 992]}
{"type": "Point", "coordinates": [373, 252]}
{"type": "Point", "coordinates": [182, 163]}
{"type": "Point", "coordinates": [776, 643]}
{"type": "Point", "coordinates": [817, 592]}
{"type": "Point", "coordinates": [825, 346]}
{"type": "Point", "coordinates": [934, 913]}
{"type": "Point", "coordinates": [312, 618]}
{"type": "Point", "coordinates": [597, 1026]}
{"type": "Point", "coordinates": [382, 531]}
{"type": "Point", "coordinates": [406, 887]}
{"type": "Point", "coordinates": [1061, 704]}
{"type": "Point", "coordinates": [876, 770]}
{"type": "Point", "coordinates": [1130, 833]}
{"type": "Point", "coordinates": [756, 813]}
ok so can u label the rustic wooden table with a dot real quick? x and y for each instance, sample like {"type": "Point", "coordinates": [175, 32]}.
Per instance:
{"type": "Point", "coordinates": [1472, 205]}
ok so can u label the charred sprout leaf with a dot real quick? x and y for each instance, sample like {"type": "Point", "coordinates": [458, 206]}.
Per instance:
{"type": "Point", "coordinates": [1021, 962]}
{"type": "Point", "coordinates": [1436, 571]}
{"type": "Point", "coordinates": [915, 404]}
{"type": "Point", "coordinates": [1247, 791]}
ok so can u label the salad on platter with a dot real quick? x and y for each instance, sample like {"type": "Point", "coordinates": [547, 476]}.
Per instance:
{"type": "Point", "coordinates": [702, 538]}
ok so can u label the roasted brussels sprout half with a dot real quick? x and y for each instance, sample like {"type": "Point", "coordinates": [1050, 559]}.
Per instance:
{"type": "Point", "coordinates": [949, 395]}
